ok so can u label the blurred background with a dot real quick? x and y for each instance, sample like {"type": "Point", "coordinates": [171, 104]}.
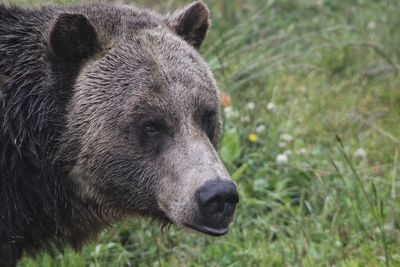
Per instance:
{"type": "Point", "coordinates": [311, 101]}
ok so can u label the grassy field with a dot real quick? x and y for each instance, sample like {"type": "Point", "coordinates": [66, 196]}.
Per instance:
{"type": "Point", "coordinates": [312, 138]}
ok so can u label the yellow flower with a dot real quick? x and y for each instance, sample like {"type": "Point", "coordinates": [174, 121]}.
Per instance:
{"type": "Point", "coordinates": [252, 138]}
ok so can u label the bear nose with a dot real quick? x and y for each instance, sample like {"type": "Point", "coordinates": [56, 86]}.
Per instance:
{"type": "Point", "coordinates": [217, 199]}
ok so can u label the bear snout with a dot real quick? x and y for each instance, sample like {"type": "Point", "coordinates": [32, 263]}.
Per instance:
{"type": "Point", "coordinates": [216, 202]}
{"type": "Point", "coordinates": [217, 199]}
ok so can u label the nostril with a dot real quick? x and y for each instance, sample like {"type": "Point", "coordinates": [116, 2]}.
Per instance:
{"type": "Point", "coordinates": [234, 199]}
{"type": "Point", "coordinates": [217, 197]}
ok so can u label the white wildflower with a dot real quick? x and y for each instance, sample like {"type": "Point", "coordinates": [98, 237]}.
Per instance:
{"type": "Point", "coordinates": [360, 154]}
{"type": "Point", "coordinates": [246, 119]}
{"type": "Point", "coordinates": [230, 113]}
{"type": "Point", "coordinates": [271, 107]}
{"type": "Point", "coordinates": [282, 144]}
{"type": "Point", "coordinates": [261, 128]}
{"type": "Point", "coordinates": [371, 25]}
{"type": "Point", "coordinates": [282, 159]}
{"type": "Point", "coordinates": [250, 106]}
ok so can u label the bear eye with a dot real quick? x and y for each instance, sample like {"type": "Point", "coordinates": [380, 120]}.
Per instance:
{"type": "Point", "coordinates": [151, 129]}
{"type": "Point", "coordinates": [153, 136]}
{"type": "Point", "coordinates": [209, 119]}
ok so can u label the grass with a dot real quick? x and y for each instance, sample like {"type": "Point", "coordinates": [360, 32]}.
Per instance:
{"type": "Point", "coordinates": [324, 72]}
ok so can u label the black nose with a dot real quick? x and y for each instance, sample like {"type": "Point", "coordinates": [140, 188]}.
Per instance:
{"type": "Point", "coordinates": [217, 199]}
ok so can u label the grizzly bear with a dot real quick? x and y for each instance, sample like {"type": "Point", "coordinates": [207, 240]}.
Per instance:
{"type": "Point", "coordinates": [106, 112]}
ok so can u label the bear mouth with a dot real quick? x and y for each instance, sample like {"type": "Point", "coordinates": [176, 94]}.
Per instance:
{"type": "Point", "coordinates": [208, 230]}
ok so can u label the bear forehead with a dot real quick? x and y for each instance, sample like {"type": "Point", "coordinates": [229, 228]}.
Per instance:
{"type": "Point", "coordinates": [154, 61]}
{"type": "Point", "coordinates": [143, 55]}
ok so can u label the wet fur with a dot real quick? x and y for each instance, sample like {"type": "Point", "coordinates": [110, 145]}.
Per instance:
{"type": "Point", "coordinates": [40, 208]}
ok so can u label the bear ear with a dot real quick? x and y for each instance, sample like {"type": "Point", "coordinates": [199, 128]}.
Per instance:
{"type": "Point", "coordinates": [73, 38]}
{"type": "Point", "coordinates": [191, 23]}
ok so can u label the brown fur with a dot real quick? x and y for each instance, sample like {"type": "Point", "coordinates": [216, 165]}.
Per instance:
{"type": "Point", "coordinates": [119, 117]}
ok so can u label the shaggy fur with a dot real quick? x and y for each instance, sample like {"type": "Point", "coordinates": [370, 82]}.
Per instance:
{"type": "Point", "coordinates": [78, 87]}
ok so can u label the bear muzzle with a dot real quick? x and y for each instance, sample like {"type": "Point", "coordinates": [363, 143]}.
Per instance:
{"type": "Point", "coordinates": [216, 202]}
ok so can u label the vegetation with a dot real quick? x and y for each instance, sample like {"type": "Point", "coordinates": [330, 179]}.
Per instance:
{"type": "Point", "coordinates": [312, 137]}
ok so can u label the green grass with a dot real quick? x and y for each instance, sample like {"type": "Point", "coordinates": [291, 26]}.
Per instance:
{"type": "Point", "coordinates": [331, 70]}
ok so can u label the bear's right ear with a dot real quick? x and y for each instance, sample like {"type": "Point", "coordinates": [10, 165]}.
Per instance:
{"type": "Point", "coordinates": [73, 38]}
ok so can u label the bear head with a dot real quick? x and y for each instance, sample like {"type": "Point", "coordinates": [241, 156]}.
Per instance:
{"type": "Point", "coordinates": [143, 119]}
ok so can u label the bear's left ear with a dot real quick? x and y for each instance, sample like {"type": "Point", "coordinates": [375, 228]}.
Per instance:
{"type": "Point", "coordinates": [73, 38]}
{"type": "Point", "coordinates": [191, 23]}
